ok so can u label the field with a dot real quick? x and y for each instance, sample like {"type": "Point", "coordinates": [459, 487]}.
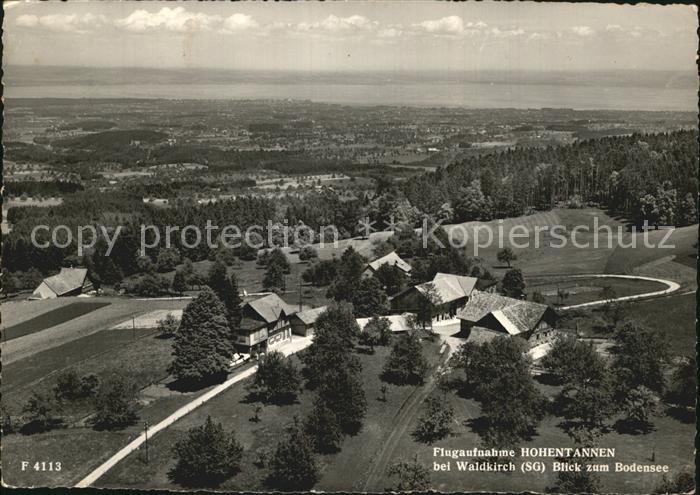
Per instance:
{"type": "Point", "coordinates": [344, 470]}
{"type": "Point", "coordinates": [677, 324]}
{"type": "Point", "coordinates": [671, 442]}
{"type": "Point", "coordinates": [105, 317]}
{"type": "Point", "coordinates": [50, 319]}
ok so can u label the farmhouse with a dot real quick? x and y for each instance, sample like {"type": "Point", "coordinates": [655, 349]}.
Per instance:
{"type": "Point", "coordinates": [397, 323]}
{"type": "Point", "coordinates": [264, 324]}
{"type": "Point", "coordinates": [68, 282]}
{"type": "Point", "coordinates": [487, 315]}
{"type": "Point", "coordinates": [303, 322]}
{"type": "Point", "coordinates": [392, 259]}
{"type": "Point", "coordinates": [442, 297]}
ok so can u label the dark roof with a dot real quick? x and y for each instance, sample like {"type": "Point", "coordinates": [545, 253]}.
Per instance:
{"type": "Point", "coordinates": [68, 280]}
{"type": "Point", "coordinates": [514, 315]}
{"type": "Point", "coordinates": [271, 307]}
{"type": "Point", "coordinates": [309, 316]}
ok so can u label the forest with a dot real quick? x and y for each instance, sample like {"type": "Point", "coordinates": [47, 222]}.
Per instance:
{"type": "Point", "coordinates": [650, 177]}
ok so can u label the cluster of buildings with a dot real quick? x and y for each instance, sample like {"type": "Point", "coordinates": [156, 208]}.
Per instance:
{"type": "Point", "coordinates": [468, 305]}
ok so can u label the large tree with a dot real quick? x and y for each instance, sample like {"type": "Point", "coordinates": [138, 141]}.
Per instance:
{"type": "Point", "coordinates": [498, 375]}
{"type": "Point", "coordinates": [293, 465]}
{"type": "Point", "coordinates": [349, 276]}
{"type": "Point", "coordinates": [203, 344]}
{"type": "Point", "coordinates": [322, 426]}
{"type": "Point", "coordinates": [406, 364]}
{"type": "Point", "coordinates": [369, 299]}
{"type": "Point", "coordinates": [391, 278]}
{"type": "Point", "coordinates": [639, 357]}
{"type": "Point", "coordinates": [226, 289]}
{"type": "Point", "coordinates": [277, 379]}
{"type": "Point", "coordinates": [206, 456]}
{"type": "Point", "coordinates": [342, 391]}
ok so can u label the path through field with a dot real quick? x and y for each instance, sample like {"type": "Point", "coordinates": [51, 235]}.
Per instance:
{"type": "Point", "coordinates": [297, 344]}
{"type": "Point", "coordinates": [403, 420]}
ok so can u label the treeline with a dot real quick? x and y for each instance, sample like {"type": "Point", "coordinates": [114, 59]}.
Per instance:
{"type": "Point", "coordinates": [619, 172]}
{"type": "Point", "coordinates": [35, 188]}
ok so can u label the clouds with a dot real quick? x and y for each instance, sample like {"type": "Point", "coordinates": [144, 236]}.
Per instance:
{"type": "Point", "coordinates": [63, 23]}
{"type": "Point", "coordinates": [354, 27]}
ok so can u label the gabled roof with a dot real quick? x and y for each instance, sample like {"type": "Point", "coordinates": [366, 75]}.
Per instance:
{"type": "Point", "coordinates": [67, 280]}
{"type": "Point", "coordinates": [449, 287]}
{"type": "Point", "coordinates": [397, 323]}
{"type": "Point", "coordinates": [392, 259]}
{"type": "Point", "coordinates": [309, 316]}
{"type": "Point", "coordinates": [271, 307]}
{"type": "Point", "coordinates": [482, 303]}
{"type": "Point", "coordinates": [514, 315]}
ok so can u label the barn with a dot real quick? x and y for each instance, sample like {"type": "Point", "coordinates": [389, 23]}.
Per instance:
{"type": "Point", "coordinates": [487, 315]}
{"type": "Point", "coordinates": [442, 297]}
{"type": "Point", "coordinates": [68, 282]}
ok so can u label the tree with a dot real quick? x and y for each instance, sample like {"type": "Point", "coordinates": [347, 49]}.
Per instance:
{"type": "Point", "coordinates": [342, 391]}
{"type": "Point", "coordinates": [377, 331]}
{"type": "Point", "coordinates": [411, 476]}
{"type": "Point", "coordinates": [513, 284]}
{"type": "Point", "coordinates": [350, 268]}
{"type": "Point", "coordinates": [167, 260]}
{"type": "Point", "coordinates": [203, 347]}
{"type": "Point", "coordinates": [68, 386]}
{"type": "Point", "coordinates": [406, 363]}
{"type": "Point", "coordinates": [369, 299]}
{"type": "Point", "coordinates": [307, 253]}
{"type": "Point", "coordinates": [639, 356]}
{"type": "Point", "coordinates": [274, 277]}
{"type": "Point", "coordinates": [684, 383]}
{"type": "Point", "coordinates": [277, 257]}
{"type": "Point", "coordinates": [576, 481]}
{"type": "Point", "coordinates": [293, 465]}
{"type": "Point", "coordinates": [320, 273]}
{"type": "Point", "coordinates": [277, 379]}
{"type": "Point", "coordinates": [682, 482]}
{"type": "Point", "coordinates": [688, 210]}
{"type": "Point", "coordinates": [639, 405]}
{"type": "Point", "coordinates": [435, 423]}
{"type": "Point", "coordinates": [42, 412]}
{"type": "Point", "coordinates": [115, 403]}
{"type": "Point", "coordinates": [506, 255]}
{"type": "Point", "coordinates": [472, 204]}
{"type": "Point", "coordinates": [233, 302]}
{"type": "Point", "coordinates": [391, 278]}
{"type": "Point", "coordinates": [167, 327]}
{"type": "Point", "coordinates": [497, 374]}
{"type": "Point", "coordinates": [322, 425]}
{"type": "Point", "coordinates": [179, 284]}
{"type": "Point", "coordinates": [207, 456]}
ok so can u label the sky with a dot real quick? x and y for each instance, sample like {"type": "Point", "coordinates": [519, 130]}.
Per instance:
{"type": "Point", "coordinates": [352, 36]}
